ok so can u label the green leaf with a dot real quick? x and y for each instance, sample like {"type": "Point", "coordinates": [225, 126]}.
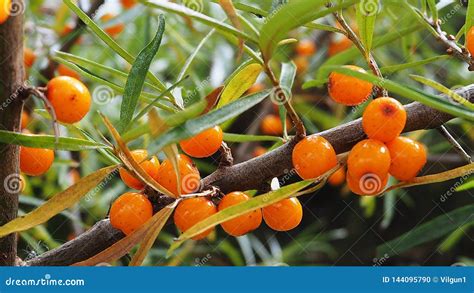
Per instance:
{"type": "Point", "coordinates": [395, 68]}
{"type": "Point", "coordinates": [290, 16]}
{"type": "Point", "coordinates": [233, 137]}
{"type": "Point", "coordinates": [187, 12]}
{"type": "Point", "coordinates": [57, 203]}
{"type": "Point", "coordinates": [240, 83]}
{"type": "Point", "coordinates": [433, 10]}
{"type": "Point", "coordinates": [469, 18]}
{"type": "Point", "coordinates": [366, 13]}
{"type": "Point", "coordinates": [408, 92]}
{"type": "Point", "coordinates": [136, 78]}
{"type": "Point", "coordinates": [287, 78]}
{"type": "Point", "coordinates": [466, 186]}
{"type": "Point", "coordinates": [195, 126]}
{"type": "Point", "coordinates": [49, 141]}
{"type": "Point", "coordinates": [429, 231]}
{"type": "Point", "coordinates": [193, 55]}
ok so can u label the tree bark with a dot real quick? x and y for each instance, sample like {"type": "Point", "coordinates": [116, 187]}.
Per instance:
{"type": "Point", "coordinates": [12, 76]}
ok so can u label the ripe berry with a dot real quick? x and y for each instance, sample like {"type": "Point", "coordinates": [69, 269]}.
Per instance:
{"type": "Point", "coordinates": [259, 151]}
{"type": "Point", "coordinates": [313, 156]}
{"type": "Point", "coordinates": [151, 167]}
{"type": "Point", "coordinates": [29, 57]}
{"type": "Point", "coordinates": [368, 156]}
{"type": "Point", "coordinates": [35, 162]}
{"type": "Point", "coordinates": [257, 87]}
{"type": "Point", "coordinates": [408, 158]}
{"type": "Point", "coordinates": [302, 64]}
{"type": "Point", "coordinates": [66, 71]}
{"type": "Point", "coordinates": [192, 211]}
{"type": "Point", "coordinates": [384, 119]}
{"type": "Point", "coordinates": [338, 177]}
{"type": "Point", "coordinates": [283, 215]}
{"type": "Point", "coordinates": [272, 125]}
{"type": "Point", "coordinates": [5, 6]}
{"type": "Point", "coordinates": [348, 90]}
{"type": "Point", "coordinates": [305, 48]}
{"type": "Point", "coordinates": [25, 119]}
{"type": "Point", "coordinates": [367, 184]}
{"type": "Point", "coordinates": [205, 144]}
{"type": "Point", "coordinates": [112, 30]}
{"type": "Point", "coordinates": [338, 46]}
{"type": "Point", "coordinates": [190, 178]}
{"type": "Point", "coordinates": [130, 211]}
{"type": "Point", "coordinates": [470, 41]}
{"type": "Point", "coordinates": [243, 224]}
{"type": "Point", "coordinates": [127, 4]}
{"type": "Point", "coordinates": [70, 98]}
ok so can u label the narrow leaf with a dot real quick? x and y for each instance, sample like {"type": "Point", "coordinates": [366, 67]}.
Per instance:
{"type": "Point", "coordinates": [366, 13]}
{"type": "Point", "coordinates": [240, 83]}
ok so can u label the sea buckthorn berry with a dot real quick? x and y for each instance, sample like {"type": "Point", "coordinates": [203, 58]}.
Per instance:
{"type": "Point", "coordinates": [130, 211]}
{"type": "Point", "coordinates": [338, 177]}
{"type": "Point", "coordinates": [259, 151]}
{"type": "Point", "coordinates": [313, 156]}
{"type": "Point", "coordinates": [257, 87]}
{"type": "Point", "coordinates": [112, 30]}
{"type": "Point", "coordinates": [242, 224]}
{"type": "Point", "coordinates": [384, 119]}
{"type": "Point", "coordinates": [151, 167]}
{"type": "Point", "coordinates": [5, 6]}
{"type": "Point", "coordinates": [190, 178]}
{"type": "Point", "coordinates": [192, 211]}
{"type": "Point", "coordinates": [283, 215]}
{"type": "Point", "coordinates": [66, 71]}
{"type": "Point", "coordinates": [205, 144]}
{"type": "Point", "coordinates": [470, 41]}
{"type": "Point", "coordinates": [302, 64]}
{"type": "Point", "coordinates": [272, 125]}
{"type": "Point", "coordinates": [367, 184]}
{"type": "Point", "coordinates": [368, 156]}
{"type": "Point", "coordinates": [339, 45]}
{"type": "Point", "coordinates": [34, 161]}
{"type": "Point", "coordinates": [70, 98]}
{"type": "Point", "coordinates": [127, 4]}
{"type": "Point", "coordinates": [348, 90]}
{"type": "Point", "coordinates": [29, 57]}
{"type": "Point", "coordinates": [305, 48]}
{"type": "Point", "coordinates": [25, 119]}
{"type": "Point", "coordinates": [408, 158]}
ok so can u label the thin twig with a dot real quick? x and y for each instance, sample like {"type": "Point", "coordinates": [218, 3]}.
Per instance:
{"type": "Point", "coordinates": [457, 147]}
{"type": "Point", "coordinates": [226, 156]}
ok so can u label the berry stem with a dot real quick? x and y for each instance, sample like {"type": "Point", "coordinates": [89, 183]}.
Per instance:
{"type": "Point", "coordinates": [457, 147]}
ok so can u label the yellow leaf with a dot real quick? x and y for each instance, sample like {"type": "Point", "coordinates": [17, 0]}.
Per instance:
{"type": "Point", "coordinates": [240, 83]}
{"type": "Point", "coordinates": [57, 203]}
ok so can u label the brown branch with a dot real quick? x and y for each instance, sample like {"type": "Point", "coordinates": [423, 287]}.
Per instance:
{"type": "Point", "coordinates": [12, 75]}
{"type": "Point", "coordinates": [246, 176]}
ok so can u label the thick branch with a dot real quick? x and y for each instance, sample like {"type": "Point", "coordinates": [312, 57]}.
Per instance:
{"type": "Point", "coordinates": [248, 175]}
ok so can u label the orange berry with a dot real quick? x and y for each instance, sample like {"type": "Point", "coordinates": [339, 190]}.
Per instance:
{"type": "Point", "coordinates": [190, 178]}
{"type": "Point", "coordinates": [70, 98]}
{"type": "Point", "coordinates": [349, 90]}
{"type": "Point", "coordinates": [305, 48]}
{"type": "Point", "coordinates": [66, 71]}
{"type": "Point", "coordinates": [114, 29]}
{"type": "Point", "coordinates": [257, 87]}
{"type": "Point", "coordinates": [205, 144]}
{"type": "Point", "coordinates": [130, 211]}
{"type": "Point", "coordinates": [283, 215]}
{"type": "Point", "coordinates": [408, 158]}
{"type": "Point", "coordinates": [192, 211]}
{"type": "Point", "coordinates": [25, 119]}
{"type": "Point", "coordinates": [243, 224]}
{"type": "Point", "coordinates": [470, 41]}
{"type": "Point", "coordinates": [302, 64]}
{"type": "Point", "coordinates": [35, 162]}
{"type": "Point", "coordinates": [259, 151]}
{"type": "Point", "coordinates": [151, 167]}
{"type": "Point", "coordinates": [127, 4]}
{"type": "Point", "coordinates": [339, 46]}
{"type": "Point", "coordinates": [368, 156]}
{"type": "Point", "coordinates": [29, 57]}
{"type": "Point", "coordinates": [384, 119]}
{"type": "Point", "coordinates": [5, 6]}
{"type": "Point", "coordinates": [68, 28]}
{"type": "Point", "coordinates": [338, 177]}
{"type": "Point", "coordinates": [313, 156]}
{"type": "Point", "coordinates": [74, 175]}
{"type": "Point", "coordinates": [272, 125]}
{"type": "Point", "coordinates": [367, 184]}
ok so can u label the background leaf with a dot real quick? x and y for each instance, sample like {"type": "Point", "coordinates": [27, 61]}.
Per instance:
{"type": "Point", "coordinates": [240, 83]}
